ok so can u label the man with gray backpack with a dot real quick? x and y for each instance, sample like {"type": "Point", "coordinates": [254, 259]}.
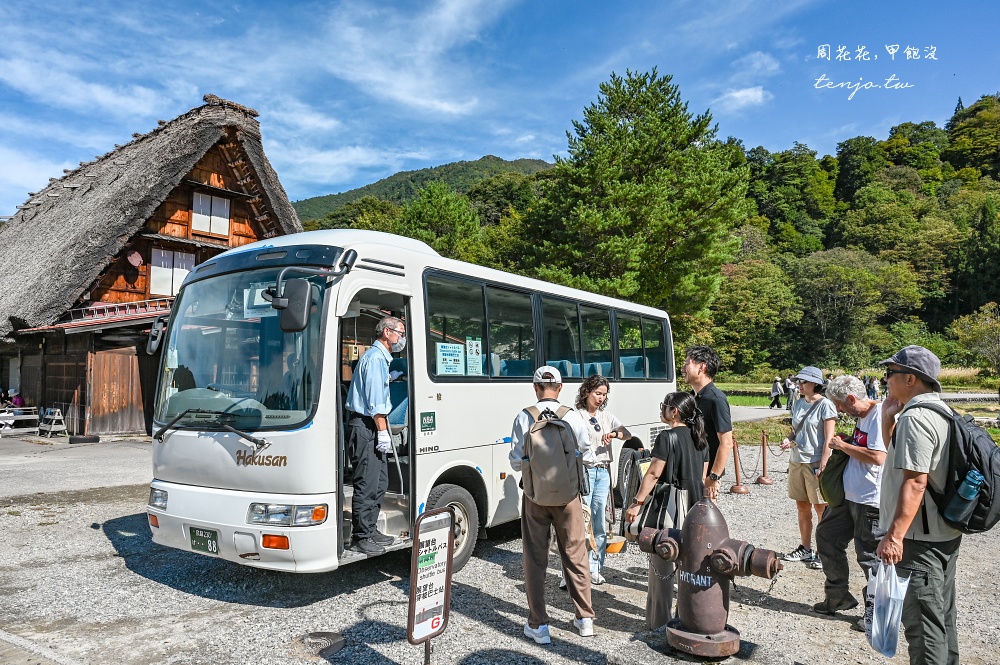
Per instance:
{"type": "Point", "coordinates": [547, 444]}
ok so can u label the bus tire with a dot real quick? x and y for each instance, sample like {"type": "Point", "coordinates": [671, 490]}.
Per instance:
{"type": "Point", "coordinates": [466, 518]}
{"type": "Point", "coordinates": [627, 460]}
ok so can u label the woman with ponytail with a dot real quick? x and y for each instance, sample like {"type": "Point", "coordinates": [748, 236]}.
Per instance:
{"type": "Point", "coordinates": [681, 454]}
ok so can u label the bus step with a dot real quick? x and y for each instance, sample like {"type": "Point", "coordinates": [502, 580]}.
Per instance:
{"type": "Point", "coordinates": [350, 556]}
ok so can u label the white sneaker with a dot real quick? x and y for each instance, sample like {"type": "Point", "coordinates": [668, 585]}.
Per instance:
{"type": "Point", "coordinates": [562, 582]}
{"type": "Point", "coordinates": [597, 579]}
{"type": "Point", "coordinates": [541, 634]}
{"type": "Point", "coordinates": [585, 626]}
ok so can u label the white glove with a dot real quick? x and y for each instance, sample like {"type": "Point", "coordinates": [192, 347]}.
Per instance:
{"type": "Point", "coordinates": [384, 444]}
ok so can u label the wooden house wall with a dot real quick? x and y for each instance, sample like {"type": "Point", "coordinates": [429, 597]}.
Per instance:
{"type": "Point", "coordinates": [123, 282]}
{"type": "Point", "coordinates": [116, 405]}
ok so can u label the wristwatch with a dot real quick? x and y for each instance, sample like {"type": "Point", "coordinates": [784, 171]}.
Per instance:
{"type": "Point", "coordinates": [639, 501]}
{"type": "Point", "coordinates": [712, 475]}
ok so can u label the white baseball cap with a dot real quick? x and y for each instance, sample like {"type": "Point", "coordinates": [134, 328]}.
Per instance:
{"type": "Point", "coordinates": [547, 369]}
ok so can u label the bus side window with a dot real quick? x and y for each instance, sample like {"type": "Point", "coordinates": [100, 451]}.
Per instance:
{"type": "Point", "coordinates": [456, 328]}
{"type": "Point", "coordinates": [561, 334]}
{"type": "Point", "coordinates": [656, 350]}
{"type": "Point", "coordinates": [512, 337]}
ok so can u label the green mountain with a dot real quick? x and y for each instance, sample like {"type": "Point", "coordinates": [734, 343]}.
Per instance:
{"type": "Point", "coordinates": [403, 186]}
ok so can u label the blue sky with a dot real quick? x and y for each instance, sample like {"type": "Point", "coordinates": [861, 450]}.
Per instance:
{"type": "Point", "coordinates": [351, 92]}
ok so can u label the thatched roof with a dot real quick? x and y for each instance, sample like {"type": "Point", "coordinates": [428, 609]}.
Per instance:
{"type": "Point", "coordinates": [64, 236]}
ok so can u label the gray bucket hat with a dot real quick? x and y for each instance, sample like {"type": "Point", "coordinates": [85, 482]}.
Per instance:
{"type": "Point", "coordinates": [918, 361]}
{"type": "Point", "coordinates": [810, 373]}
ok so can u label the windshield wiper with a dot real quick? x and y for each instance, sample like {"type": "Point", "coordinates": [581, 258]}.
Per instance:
{"type": "Point", "coordinates": [258, 444]}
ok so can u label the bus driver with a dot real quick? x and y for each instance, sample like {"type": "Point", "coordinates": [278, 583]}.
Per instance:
{"type": "Point", "coordinates": [368, 438]}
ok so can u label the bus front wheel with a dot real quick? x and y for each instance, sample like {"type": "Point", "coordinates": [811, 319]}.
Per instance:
{"type": "Point", "coordinates": [466, 519]}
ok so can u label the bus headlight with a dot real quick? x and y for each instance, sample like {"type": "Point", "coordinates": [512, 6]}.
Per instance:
{"type": "Point", "coordinates": [158, 498]}
{"type": "Point", "coordinates": [270, 513]}
{"type": "Point", "coordinates": [276, 514]}
{"type": "Point", "coordinates": [309, 515]}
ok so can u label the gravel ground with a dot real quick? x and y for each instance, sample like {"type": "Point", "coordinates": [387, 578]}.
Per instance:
{"type": "Point", "coordinates": [80, 577]}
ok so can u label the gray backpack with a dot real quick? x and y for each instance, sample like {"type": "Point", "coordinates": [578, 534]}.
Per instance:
{"type": "Point", "coordinates": [552, 470]}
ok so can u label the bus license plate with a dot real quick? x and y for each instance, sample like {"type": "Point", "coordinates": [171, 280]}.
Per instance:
{"type": "Point", "coordinates": [204, 540]}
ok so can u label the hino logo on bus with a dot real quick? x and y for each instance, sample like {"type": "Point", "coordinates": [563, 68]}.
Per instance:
{"type": "Point", "coordinates": [429, 449]}
{"type": "Point", "coordinates": [246, 458]}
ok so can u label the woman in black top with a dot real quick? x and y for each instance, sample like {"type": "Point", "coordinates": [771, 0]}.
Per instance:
{"type": "Point", "coordinates": [688, 465]}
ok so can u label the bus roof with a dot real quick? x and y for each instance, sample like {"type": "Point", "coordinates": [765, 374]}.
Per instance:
{"type": "Point", "coordinates": [416, 254]}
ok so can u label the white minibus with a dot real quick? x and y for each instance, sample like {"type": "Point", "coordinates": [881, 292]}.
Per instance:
{"type": "Point", "coordinates": [257, 354]}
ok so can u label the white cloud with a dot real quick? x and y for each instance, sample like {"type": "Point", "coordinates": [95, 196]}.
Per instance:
{"type": "Point", "coordinates": [21, 173]}
{"type": "Point", "coordinates": [44, 80]}
{"type": "Point", "coordinates": [294, 116]}
{"type": "Point", "coordinates": [301, 164]}
{"type": "Point", "coordinates": [406, 58]}
{"type": "Point", "coordinates": [755, 66]}
{"type": "Point", "coordinates": [736, 100]}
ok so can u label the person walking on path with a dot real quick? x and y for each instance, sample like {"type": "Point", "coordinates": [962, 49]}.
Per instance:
{"type": "Point", "coordinates": [926, 546]}
{"type": "Point", "coordinates": [701, 364]}
{"type": "Point", "coordinates": [792, 390]}
{"type": "Point", "coordinates": [777, 390]}
{"type": "Point", "coordinates": [813, 425]}
{"type": "Point", "coordinates": [857, 518]}
{"type": "Point", "coordinates": [537, 520]}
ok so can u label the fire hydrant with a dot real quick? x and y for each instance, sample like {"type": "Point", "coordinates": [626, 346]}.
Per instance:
{"type": "Point", "coordinates": [707, 560]}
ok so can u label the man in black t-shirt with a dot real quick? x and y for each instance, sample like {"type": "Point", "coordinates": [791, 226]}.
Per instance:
{"type": "Point", "coordinates": [701, 363]}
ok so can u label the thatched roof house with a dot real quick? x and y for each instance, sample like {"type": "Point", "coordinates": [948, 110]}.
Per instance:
{"type": "Point", "coordinates": [64, 236]}
{"type": "Point", "coordinates": [105, 245]}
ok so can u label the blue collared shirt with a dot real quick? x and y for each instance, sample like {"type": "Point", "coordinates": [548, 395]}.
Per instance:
{"type": "Point", "coordinates": [369, 391]}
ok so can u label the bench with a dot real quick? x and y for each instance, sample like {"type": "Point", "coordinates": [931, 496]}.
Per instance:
{"type": "Point", "coordinates": [18, 420]}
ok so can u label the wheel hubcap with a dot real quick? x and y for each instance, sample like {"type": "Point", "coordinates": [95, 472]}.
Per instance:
{"type": "Point", "coordinates": [462, 522]}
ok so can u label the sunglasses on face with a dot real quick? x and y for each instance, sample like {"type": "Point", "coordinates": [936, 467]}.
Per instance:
{"type": "Point", "coordinates": [890, 372]}
{"type": "Point", "coordinates": [593, 421]}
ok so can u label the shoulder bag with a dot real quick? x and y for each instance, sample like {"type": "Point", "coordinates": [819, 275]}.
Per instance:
{"type": "Point", "coordinates": [667, 505]}
{"type": "Point", "coordinates": [831, 480]}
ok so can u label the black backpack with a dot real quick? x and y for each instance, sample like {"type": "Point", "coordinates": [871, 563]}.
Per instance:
{"type": "Point", "coordinates": [970, 447]}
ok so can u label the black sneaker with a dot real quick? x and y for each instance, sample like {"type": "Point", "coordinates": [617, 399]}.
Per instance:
{"type": "Point", "coordinates": [800, 553]}
{"type": "Point", "coordinates": [382, 539]}
{"type": "Point", "coordinates": [826, 607]}
{"type": "Point", "coordinates": [368, 546]}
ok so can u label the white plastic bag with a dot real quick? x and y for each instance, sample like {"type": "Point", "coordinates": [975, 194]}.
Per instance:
{"type": "Point", "coordinates": [884, 608]}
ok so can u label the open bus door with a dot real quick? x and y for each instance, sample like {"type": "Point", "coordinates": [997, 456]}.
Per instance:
{"type": "Point", "coordinates": [357, 334]}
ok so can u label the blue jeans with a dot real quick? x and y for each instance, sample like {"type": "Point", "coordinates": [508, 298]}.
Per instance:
{"type": "Point", "coordinates": [600, 487]}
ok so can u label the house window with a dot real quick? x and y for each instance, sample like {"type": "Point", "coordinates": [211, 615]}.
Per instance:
{"type": "Point", "coordinates": [167, 270]}
{"type": "Point", "coordinates": [210, 214]}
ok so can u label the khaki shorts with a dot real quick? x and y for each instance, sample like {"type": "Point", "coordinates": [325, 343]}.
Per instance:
{"type": "Point", "coordinates": [802, 483]}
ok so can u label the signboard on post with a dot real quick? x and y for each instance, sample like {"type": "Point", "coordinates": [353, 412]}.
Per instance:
{"type": "Point", "coordinates": [430, 576]}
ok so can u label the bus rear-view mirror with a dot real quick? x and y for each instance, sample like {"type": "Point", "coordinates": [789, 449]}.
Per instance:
{"type": "Point", "coordinates": [156, 334]}
{"type": "Point", "coordinates": [295, 316]}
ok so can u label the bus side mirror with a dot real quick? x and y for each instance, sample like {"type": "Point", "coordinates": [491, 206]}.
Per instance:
{"type": "Point", "coordinates": [156, 334]}
{"type": "Point", "coordinates": [295, 315]}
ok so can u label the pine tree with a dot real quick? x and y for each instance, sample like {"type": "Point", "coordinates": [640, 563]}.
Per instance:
{"type": "Point", "coordinates": [645, 205]}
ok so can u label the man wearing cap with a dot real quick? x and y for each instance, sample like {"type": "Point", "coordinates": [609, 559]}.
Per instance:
{"type": "Point", "coordinates": [537, 520]}
{"type": "Point", "coordinates": [916, 538]}
{"type": "Point", "coordinates": [701, 363]}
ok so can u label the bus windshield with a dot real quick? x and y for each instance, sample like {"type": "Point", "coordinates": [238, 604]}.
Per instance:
{"type": "Point", "coordinates": [228, 361]}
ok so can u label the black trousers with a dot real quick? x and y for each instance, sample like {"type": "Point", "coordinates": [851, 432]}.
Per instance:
{"type": "Point", "coordinates": [371, 475]}
{"type": "Point", "coordinates": [839, 526]}
{"type": "Point", "coordinates": [775, 402]}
